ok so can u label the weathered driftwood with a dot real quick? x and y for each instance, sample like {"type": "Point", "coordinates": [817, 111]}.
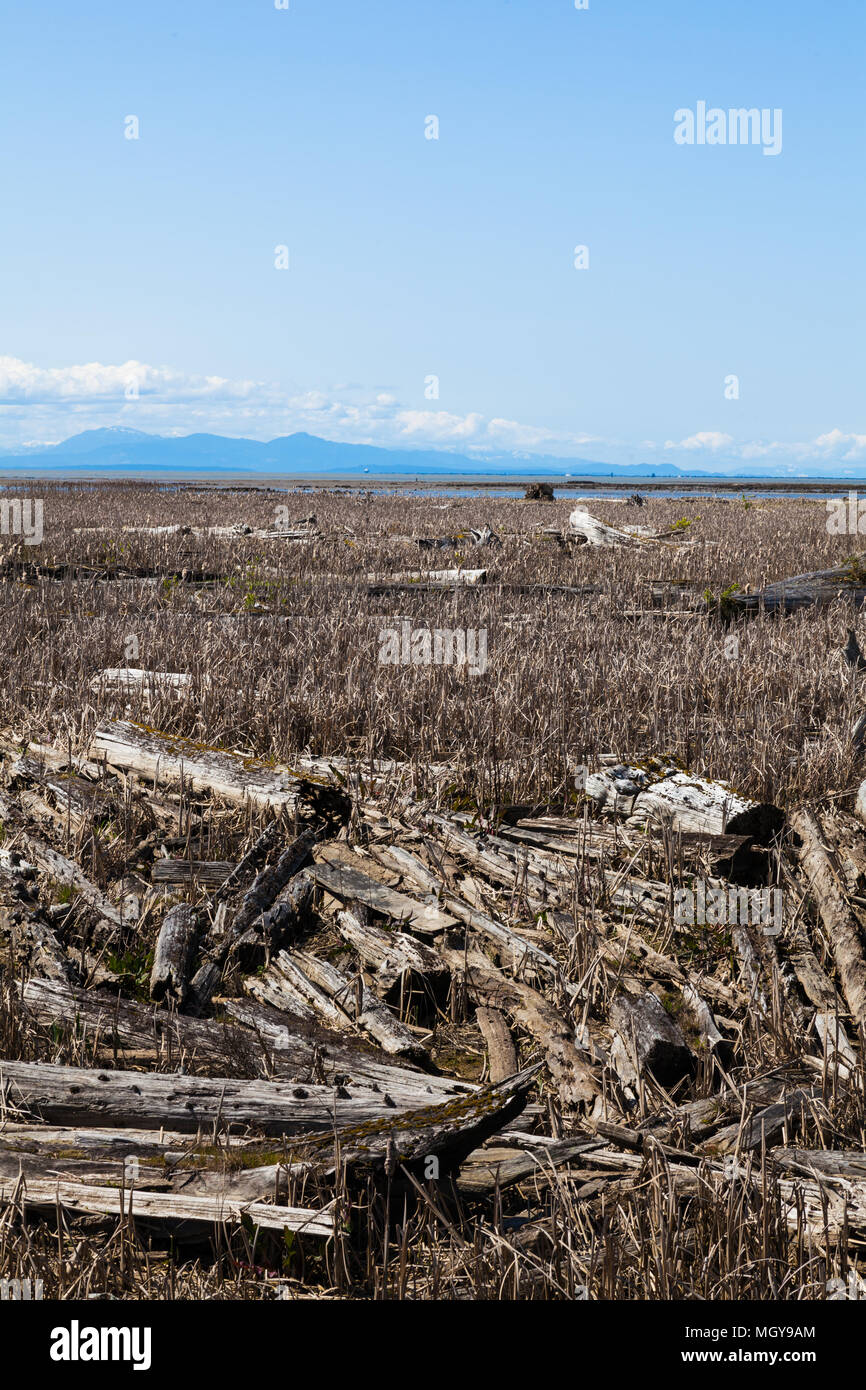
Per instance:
{"type": "Point", "coordinates": [66, 871]}
{"type": "Point", "coordinates": [821, 1163]}
{"type": "Point", "coordinates": [450, 1131]}
{"type": "Point", "coordinates": [819, 587]}
{"type": "Point", "coordinates": [75, 1096]}
{"type": "Point", "coordinates": [652, 1038]}
{"type": "Point", "coordinates": [766, 1127]}
{"type": "Point", "coordinates": [283, 919]}
{"type": "Point", "coordinates": [286, 979]}
{"type": "Point", "coordinates": [175, 946]}
{"type": "Point", "coordinates": [369, 1012]}
{"type": "Point", "coordinates": [682, 801]}
{"type": "Point", "coordinates": [132, 1202]}
{"type": "Point", "coordinates": [519, 949]}
{"type": "Point", "coordinates": [752, 974]}
{"type": "Point", "coordinates": [394, 956]}
{"type": "Point", "coordinates": [838, 917]}
{"type": "Point", "coordinates": [528, 1009]}
{"type": "Point", "coordinates": [409, 865]}
{"type": "Point", "coordinates": [167, 760]}
{"type": "Point", "coordinates": [186, 872]}
{"type": "Point", "coordinates": [704, 1022]}
{"type": "Point", "coordinates": [28, 945]}
{"type": "Point", "coordinates": [586, 528]}
{"type": "Point", "coordinates": [340, 1057]}
{"type": "Point", "coordinates": [835, 1045]}
{"type": "Point", "coordinates": [134, 682]}
{"type": "Point", "coordinates": [501, 1052]}
{"type": "Point", "coordinates": [75, 802]}
{"type": "Point", "coordinates": [496, 1167]}
{"type": "Point", "coordinates": [251, 862]}
{"type": "Point", "coordinates": [258, 915]}
{"type": "Point", "coordinates": [251, 1040]}
{"type": "Point", "coordinates": [447, 579]}
{"type": "Point", "coordinates": [349, 884]}
{"type": "Point", "coordinates": [270, 988]}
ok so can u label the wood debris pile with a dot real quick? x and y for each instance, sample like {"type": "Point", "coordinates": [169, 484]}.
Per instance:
{"type": "Point", "coordinates": [211, 958]}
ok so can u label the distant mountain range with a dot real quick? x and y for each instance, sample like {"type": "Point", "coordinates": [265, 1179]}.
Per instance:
{"type": "Point", "coordinates": [133, 453]}
{"type": "Point", "coordinates": [123, 452]}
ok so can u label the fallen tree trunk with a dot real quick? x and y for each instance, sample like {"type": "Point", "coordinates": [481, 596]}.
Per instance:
{"type": "Point", "coordinates": [819, 587]}
{"type": "Point", "coordinates": [162, 1206]}
{"type": "Point", "coordinates": [682, 801]}
{"type": "Point", "coordinates": [838, 917]}
{"type": "Point", "coordinates": [251, 915]}
{"type": "Point", "coordinates": [349, 884]}
{"type": "Point", "coordinates": [570, 1074]}
{"type": "Point", "coordinates": [167, 760]}
{"type": "Point", "coordinates": [66, 872]}
{"type": "Point", "coordinates": [189, 872]}
{"type": "Point", "coordinates": [75, 1096]}
{"type": "Point", "coordinates": [252, 1040]}
{"type": "Point", "coordinates": [368, 1012]}
{"type": "Point", "coordinates": [394, 956]}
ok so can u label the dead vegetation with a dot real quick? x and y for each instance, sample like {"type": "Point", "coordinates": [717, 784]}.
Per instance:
{"type": "Point", "coordinates": [323, 977]}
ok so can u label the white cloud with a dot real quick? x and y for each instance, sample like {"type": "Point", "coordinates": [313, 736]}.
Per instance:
{"type": "Point", "coordinates": [439, 424]}
{"type": "Point", "coordinates": [25, 383]}
{"type": "Point", "coordinates": [706, 439]}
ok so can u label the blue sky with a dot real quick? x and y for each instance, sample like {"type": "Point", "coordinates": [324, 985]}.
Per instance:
{"type": "Point", "coordinates": [152, 261]}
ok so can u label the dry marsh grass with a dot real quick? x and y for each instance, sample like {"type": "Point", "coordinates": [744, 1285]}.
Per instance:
{"type": "Point", "coordinates": [282, 642]}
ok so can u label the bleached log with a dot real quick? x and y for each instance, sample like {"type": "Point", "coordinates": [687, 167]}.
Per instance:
{"type": "Point", "coordinates": [451, 1131]}
{"type": "Point", "coordinates": [66, 871]}
{"type": "Point", "coordinates": [169, 761]}
{"type": "Point", "coordinates": [447, 578]}
{"type": "Point", "coordinates": [152, 1100]}
{"type": "Point", "coordinates": [682, 801]}
{"type": "Point", "coordinates": [318, 1000]}
{"type": "Point", "coordinates": [527, 1008]}
{"type": "Point", "coordinates": [352, 885]}
{"type": "Point", "coordinates": [339, 1056]}
{"type": "Point", "coordinates": [704, 1021]}
{"type": "Point", "coordinates": [518, 947]}
{"type": "Point", "coordinates": [187, 872]}
{"type": "Point", "coordinates": [594, 532]}
{"type": "Point", "coordinates": [134, 1202]}
{"type": "Point", "coordinates": [280, 994]}
{"type": "Point", "coordinates": [268, 1043]}
{"type": "Point", "coordinates": [834, 1041]}
{"type": "Point", "coordinates": [132, 680]}
{"type": "Point", "coordinates": [369, 1012]}
{"type": "Point", "coordinates": [766, 1127]}
{"type": "Point", "coordinates": [258, 901]}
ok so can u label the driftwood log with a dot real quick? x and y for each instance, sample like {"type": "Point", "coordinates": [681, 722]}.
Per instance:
{"type": "Point", "coordinates": [652, 1038]}
{"type": "Point", "coordinates": [838, 917]}
{"type": "Point", "coordinates": [175, 945]}
{"type": "Point", "coordinates": [671, 797]}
